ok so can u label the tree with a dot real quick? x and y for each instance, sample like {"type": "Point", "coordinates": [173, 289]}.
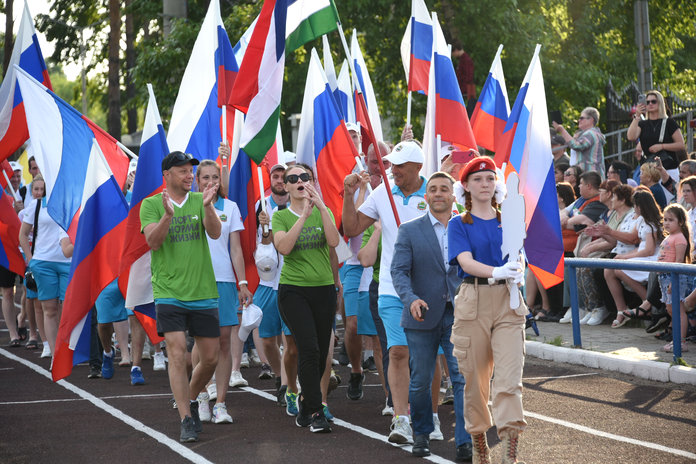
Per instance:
{"type": "Point", "coordinates": [113, 118]}
{"type": "Point", "coordinates": [9, 43]}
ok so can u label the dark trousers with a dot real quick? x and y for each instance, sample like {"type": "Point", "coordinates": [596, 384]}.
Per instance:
{"type": "Point", "coordinates": [309, 312]}
{"type": "Point", "coordinates": [381, 333]}
{"type": "Point", "coordinates": [95, 346]}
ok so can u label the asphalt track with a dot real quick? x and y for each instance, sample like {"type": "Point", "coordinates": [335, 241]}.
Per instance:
{"type": "Point", "coordinates": [574, 414]}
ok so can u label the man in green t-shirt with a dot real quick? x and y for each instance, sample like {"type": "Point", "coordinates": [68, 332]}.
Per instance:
{"type": "Point", "coordinates": [183, 282]}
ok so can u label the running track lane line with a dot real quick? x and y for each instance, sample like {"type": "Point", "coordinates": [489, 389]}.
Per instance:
{"type": "Point", "coordinates": [175, 446]}
{"type": "Point", "coordinates": [356, 428]}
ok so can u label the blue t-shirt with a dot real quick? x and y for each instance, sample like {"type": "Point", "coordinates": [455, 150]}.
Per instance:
{"type": "Point", "coordinates": [483, 239]}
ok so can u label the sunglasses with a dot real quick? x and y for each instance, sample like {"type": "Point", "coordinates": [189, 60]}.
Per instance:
{"type": "Point", "coordinates": [294, 178]}
{"type": "Point", "coordinates": [569, 173]}
{"type": "Point", "coordinates": [651, 102]}
{"type": "Point", "coordinates": [584, 117]}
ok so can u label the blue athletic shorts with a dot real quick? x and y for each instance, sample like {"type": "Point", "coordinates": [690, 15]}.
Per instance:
{"type": "Point", "coordinates": [271, 324]}
{"type": "Point", "coordinates": [51, 278]}
{"type": "Point", "coordinates": [350, 278]}
{"type": "Point", "coordinates": [111, 307]}
{"type": "Point", "coordinates": [390, 309]}
{"type": "Point", "coordinates": [228, 303]}
{"type": "Point", "coordinates": [366, 325]}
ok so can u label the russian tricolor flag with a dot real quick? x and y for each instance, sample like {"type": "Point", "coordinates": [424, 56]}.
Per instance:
{"type": "Point", "coordinates": [446, 114]}
{"type": "Point", "coordinates": [135, 276]}
{"type": "Point", "coordinates": [526, 148]}
{"type": "Point", "coordinates": [79, 182]}
{"type": "Point", "coordinates": [196, 118]}
{"type": "Point", "coordinates": [492, 109]}
{"type": "Point", "coordinates": [27, 55]}
{"type": "Point", "coordinates": [361, 81]}
{"type": "Point", "coordinates": [417, 47]}
{"type": "Point", "coordinates": [323, 141]}
{"type": "Point", "coordinates": [10, 256]}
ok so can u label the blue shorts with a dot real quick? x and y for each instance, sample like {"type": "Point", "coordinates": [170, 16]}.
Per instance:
{"type": "Point", "coordinates": [228, 303]}
{"type": "Point", "coordinates": [271, 324]}
{"type": "Point", "coordinates": [390, 309]}
{"type": "Point", "coordinates": [31, 294]}
{"type": "Point", "coordinates": [366, 326]}
{"type": "Point", "coordinates": [111, 307]}
{"type": "Point", "coordinates": [51, 278]}
{"type": "Point", "coordinates": [350, 275]}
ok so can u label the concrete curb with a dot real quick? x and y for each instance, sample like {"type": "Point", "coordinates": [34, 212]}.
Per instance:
{"type": "Point", "coordinates": [646, 369]}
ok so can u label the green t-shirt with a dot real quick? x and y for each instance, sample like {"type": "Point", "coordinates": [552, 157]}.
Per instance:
{"type": "Point", "coordinates": [181, 267]}
{"type": "Point", "coordinates": [365, 238]}
{"type": "Point", "coordinates": [308, 263]}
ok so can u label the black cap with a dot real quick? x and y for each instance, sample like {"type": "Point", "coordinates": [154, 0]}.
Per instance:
{"type": "Point", "coordinates": [178, 158]}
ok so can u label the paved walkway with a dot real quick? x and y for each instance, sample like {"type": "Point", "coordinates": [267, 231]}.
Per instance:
{"type": "Point", "coordinates": [628, 349]}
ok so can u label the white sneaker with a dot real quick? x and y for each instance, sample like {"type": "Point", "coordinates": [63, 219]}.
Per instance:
{"type": "Point", "coordinates": [437, 433]}
{"type": "Point", "coordinates": [236, 380]}
{"type": "Point", "coordinates": [587, 317]}
{"type": "Point", "coordinates": [204, 407]}
{"type": "Point", "coordinates": [598, 316]}
{"type": "Point", "coordinates": [159, 362]}
{"type": "Point", "coordinates": [245, 360]}
{"type": "Point", "coordinates": [567, 318]}
{"type": "Point", "coordinates": [254, 359]}
{"type": "Point", "coordinates": [400, 431]}
{"type": "Point", "coordinates": [388, 410]}
{"type": "Point", "coordinates": [220, 415]}
{"type": "Point", "coordinates": [147, 353]}
{"type": "Point", "coordinates": [46, 353]}
{"type": "Point", "coordinates": [212, 391]}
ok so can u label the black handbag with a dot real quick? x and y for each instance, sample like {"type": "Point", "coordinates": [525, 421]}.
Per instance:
{"type": "Point", "coordinates": [29, 280]}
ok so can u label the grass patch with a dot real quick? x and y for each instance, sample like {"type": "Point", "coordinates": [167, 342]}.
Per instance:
{"type": "Point", "coordinates": [557, 341]}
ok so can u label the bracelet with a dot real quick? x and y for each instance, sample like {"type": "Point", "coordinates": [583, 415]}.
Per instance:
{"type": "Point", "coordinates": [242, 282]}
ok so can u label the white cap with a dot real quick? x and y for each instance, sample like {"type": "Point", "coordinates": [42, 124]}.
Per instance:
{"type": "Point", "coordinates": [16, 166]}
{"type": "Point", "coordinates": [251, 319]}
{"type": "Point", "coordinates": [352, 126]}
{"type": "Point", "coordinates": [277, 166]}
{"type": "Point", "coordinates": [266, 258]}
{"type": "Point", "coordinates": [289, 157]}
{"type": "Point", "coordinates": [406, 152]}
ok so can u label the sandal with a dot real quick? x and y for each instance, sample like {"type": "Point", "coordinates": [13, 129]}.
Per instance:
{"type": "Point", "coordinates": [542, 314]}
{"type": "Point", "coordinates": [637, 313]}
{"type": "Point", "coordinates": [619, 323]}
{"type": "Point", "coordinates": [32, 345]}
{"type": "Point", "coordinates": [15, 343]}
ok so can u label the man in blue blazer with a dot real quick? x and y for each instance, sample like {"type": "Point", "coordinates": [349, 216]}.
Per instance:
{"type": "Point", "coordinates": [426, 285]}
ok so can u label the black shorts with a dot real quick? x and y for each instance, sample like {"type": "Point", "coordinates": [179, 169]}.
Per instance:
{"type": "Point", "coordinates": [7, 278]}
{"type": "Point", "coordinates": [198, 322]}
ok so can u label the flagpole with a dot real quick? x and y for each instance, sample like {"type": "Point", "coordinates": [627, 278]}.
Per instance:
{"type": "Point", "coordinates": [408, 109]}
{"type": "Point", "coordinates": [127, 150]}
{"type": "Point", "coordinates": [263, 195]}
{"type": "Point", "coordinates": [438, 140]}
{"type": "Point", "coordinates": [224, 123]}
{"type": "Point", "coordinates": [14, 192]}
{"type": "Point", "coordinates": [361, 100]}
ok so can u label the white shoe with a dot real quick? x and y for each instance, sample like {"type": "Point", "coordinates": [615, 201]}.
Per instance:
{"type": "Point", "coordinates": [236, 380]}
{"type": "Point", "coordinates": [159, 363]}
{"type": "Point", "coordinates": [220, 415]}
{"type": "Point", "coordinates": [587, 317]}
{"type": "Point", "coordinates": [254, 359]}
{"type": "Point", "coordinates": [437, 433]}
{"type": "Point", "coordinates": [204, 407]}
{"type": "Point", "coordinates": [388, 410]}
{"type": "Point", "coordinates": [147, 347]}
{"type": "Point", "coordinates": [46, 353]}
{"type": "Point", "coordinates": [401, 431]}
{"type": "Point", "coordinates": [598, 316]}
{"type": "Point", "coordinates": [212, 391]}
{"type": "Point", "coordinates": [245, 360]}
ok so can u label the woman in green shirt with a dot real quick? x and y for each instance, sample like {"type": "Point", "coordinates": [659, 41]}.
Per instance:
{"type": "Point", "coordinates": [303, 233]}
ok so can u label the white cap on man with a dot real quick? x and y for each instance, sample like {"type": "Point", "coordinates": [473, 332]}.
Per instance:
{"type": "Point", "coordinates": [407, 151]}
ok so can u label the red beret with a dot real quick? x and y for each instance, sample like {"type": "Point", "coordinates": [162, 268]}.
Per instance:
{"type": "Point", "coordinates": [480, 163]}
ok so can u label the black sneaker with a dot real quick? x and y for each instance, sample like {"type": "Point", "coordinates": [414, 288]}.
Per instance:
{"type": "Point", "coordinates": [94, 372]}
{"type": "Point", "coordinates": [302, 419]}
{"type": "Point", "coordinates": [342, 356]}
{"type": "Point", "coordinates": [188, 431]}
{"type": "Point", "coordinates": [369, 364]}
{"type": "Point", "coordinates": [355, 389]}
{"type": "Point", "coordinates": [280, 395]}
{"type": "Point", "coordinates": [196, 418]}
{"type": "Point", "coordinates": [319, 424]}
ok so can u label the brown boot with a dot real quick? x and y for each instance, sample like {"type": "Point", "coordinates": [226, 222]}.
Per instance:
{"type": "Point", "coordinates": [509, 444]}
{"type": "Point", "coordinates": [481, 451]}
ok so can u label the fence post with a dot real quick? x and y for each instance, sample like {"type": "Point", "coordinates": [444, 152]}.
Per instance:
{"type": "Point", "coordinates": [676, 318]}
{"type": "Point", "coordinates": [571, 274]}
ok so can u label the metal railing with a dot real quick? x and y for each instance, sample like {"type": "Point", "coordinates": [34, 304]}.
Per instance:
{"type": "Point", "coordinates": [675, 269]}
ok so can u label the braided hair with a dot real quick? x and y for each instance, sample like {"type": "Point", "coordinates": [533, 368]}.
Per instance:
{"type": "Point", "coordinates": [466, 216]}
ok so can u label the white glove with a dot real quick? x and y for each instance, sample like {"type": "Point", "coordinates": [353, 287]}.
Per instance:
{"type": "Point", "coordinates": [511, 270]}
{"type": "Point", "coordinates": [500, 188]}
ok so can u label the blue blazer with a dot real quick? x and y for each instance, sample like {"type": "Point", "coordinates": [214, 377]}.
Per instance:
{"type": "Point", "coordinates": [418, 271]}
